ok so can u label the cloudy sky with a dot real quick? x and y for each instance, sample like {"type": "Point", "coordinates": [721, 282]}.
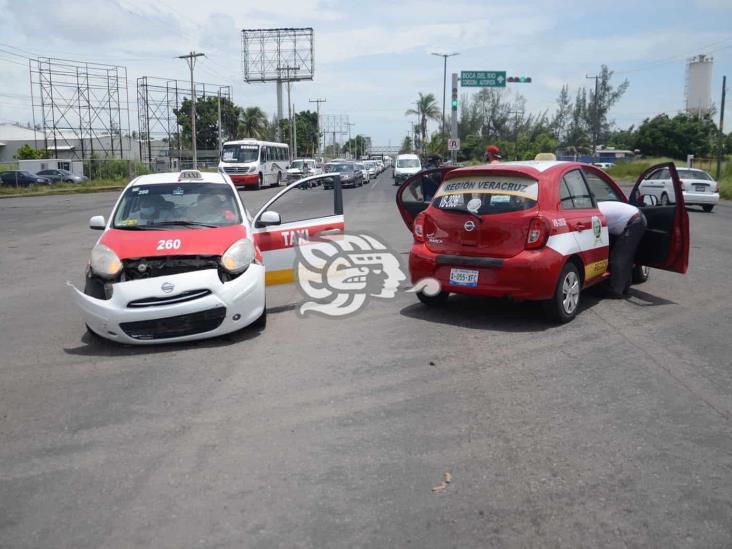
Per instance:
{"type": "Point", "coordinates": [372, 57]}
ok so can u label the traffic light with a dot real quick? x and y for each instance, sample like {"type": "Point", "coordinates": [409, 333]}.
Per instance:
{"type": "Point", "coordinates": [454, 98]}
{"type": "Point", "coordinates": [519, 79]}
{"type": "Point", "coordinates": [454, 103]}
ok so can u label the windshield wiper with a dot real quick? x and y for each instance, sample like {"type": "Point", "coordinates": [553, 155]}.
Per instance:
{"type": "Point", "coordinates": [476, 216]}
{"type": "Point", "coordinates": [136, 228]}
{"type": "Point", "coordinates": [184, 224]}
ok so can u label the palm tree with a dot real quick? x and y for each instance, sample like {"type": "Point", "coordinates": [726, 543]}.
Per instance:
{"type": "Point", "coordinates": [427, 109]}
{"type": "Point", "coordinates": [253, 123]}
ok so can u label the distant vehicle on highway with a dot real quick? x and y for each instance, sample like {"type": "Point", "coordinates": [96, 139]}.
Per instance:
{"type": "Point", "coordinates": [21, 178]}
{"type": "Point", "coordinates": [303, 167]}
{"type": "Point", "coordinates": [253, 164]}
{"type": "Point", "coordinates": [604, 165]}
{"type": "Point", "coordinates": [350, 176]}
{"type": "Point", "coordinates": [181, 259]}
{"type": "Point", "coordinates": [64, 176]}
{"type": "Point", "coordinates": [529, 231]}
{"type": "Point", "coordinates": [698, 187]}
{"type": "Point", "coordinates": [373, 168]}
{"type": "Point", "coordinates": [406, 166]}
{"type": "Point", "coordinates": [361, 166]}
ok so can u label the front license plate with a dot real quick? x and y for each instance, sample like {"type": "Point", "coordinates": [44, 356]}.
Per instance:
{"type": "Point", "coordinates": [463, 277]}
{"type": "Point", "coordinates": [700, 188]}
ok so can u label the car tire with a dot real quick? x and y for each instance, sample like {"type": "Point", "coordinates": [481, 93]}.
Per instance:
{"type": "Point", "coordinates": [279, 179]}
{"type": "Point", "coordinates": [708, 207]}
{"type": "Point", "coordinates": [433, 300]}
{"type": "Point", "coordinates": [664, 200]}
{"type": "Point", "coordinates": [260, 181]}
{"type": "Point", "coordinates": [641, 273]}
{"type": "Point", "coordinates": [563, 306]}
{"type": "Point", "coordinates": [261, 322]}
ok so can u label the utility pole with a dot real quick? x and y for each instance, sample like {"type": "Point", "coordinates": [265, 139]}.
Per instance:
{"type": "Point", "coordinates": [319, 101]}
{"type": "Point", "coordinates": [515, 126]}
{"type": "Point", "coordinates": [595, 116]}
{"type": "Point", "coordinates": [191, 60]}
{"type": "Point", "coordinates": [444, 82]}
{"type": "Point", "coordinates": [294, 132]}
{"type": "Point", "coordinates": [350, 143]}
{"type": "Point", "coordinates": [720, 147]}
{"type": "Point", "coordinates": [220, 141]}
{"type": "Point", "coordinates": [288, 69]}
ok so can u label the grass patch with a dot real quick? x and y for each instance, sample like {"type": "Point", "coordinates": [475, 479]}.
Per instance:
{"type": "Point", "coordinates": [96, 185]}
{"type": "Point", "coordinates": [630, 171]}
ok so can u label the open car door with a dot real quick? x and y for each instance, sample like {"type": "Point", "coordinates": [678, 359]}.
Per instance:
{"type": "Point", "coordinates": [665, 244]}
{"type": "Point", "coordinates": [415, 194]}
{"type": "Point", "coordinates": [308, 208]}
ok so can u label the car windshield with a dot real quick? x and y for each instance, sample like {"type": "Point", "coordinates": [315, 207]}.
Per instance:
{"type": "Point", "coordinates": [408, 163]}
{"type": "Point", "coordinates": [483, 195]}
{"type": "Point", "coordinates": [170, 204]}
{"type": "Point", "coordinates": [240, 153]}
{"type": "Point", "coordinates": [297, 164]}
{"type": "Point", "coordinates": [345, 167]}
{"type": "Point", "coordinates": [694, 174]}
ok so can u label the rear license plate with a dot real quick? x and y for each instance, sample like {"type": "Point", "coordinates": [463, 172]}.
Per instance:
{"type": "Point", "coordinates": [463, 277]}
{"type": "Point", "coordinates": [700, 188]}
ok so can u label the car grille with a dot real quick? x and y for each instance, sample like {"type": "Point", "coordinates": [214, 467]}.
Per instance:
{"type": "Point", "coordinates": [168, 299]}
{"type": "Point", "coordinates": [175, 326]}
{"type": "Point", "coordinates": [150, 267]}
{"type": "Point", "coordinates": [235, 169]}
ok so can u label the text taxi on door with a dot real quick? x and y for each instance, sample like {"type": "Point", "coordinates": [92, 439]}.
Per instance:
{"type": "Point", "coordinates": [530, 231]}
{"type": "Point", "coordinates": [181, 258]}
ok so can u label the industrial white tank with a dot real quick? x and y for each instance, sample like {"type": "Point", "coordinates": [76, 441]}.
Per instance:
{"type": "Point", "coordinates": [699, 85]}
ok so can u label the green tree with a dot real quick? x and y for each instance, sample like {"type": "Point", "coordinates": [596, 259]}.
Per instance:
{"type": "Point", "coordinates": [426, 110]}
{"type": "Point", "coordinates": [600, 103]}
{"type": "Point", "coordinates": [676, 137]}
{"type": "Point", "coordinates": [253, 123]}
{"type": "Point", "coordinates": [207, 125]}
{"type": "Point", "coordinates": [356, 146]}
{"type": "Point", "coordinates": [26, 152]}
{"type": "Point", "coordinates": [406, 147]}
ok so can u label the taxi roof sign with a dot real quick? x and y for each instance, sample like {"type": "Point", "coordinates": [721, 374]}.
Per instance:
{"type": "Point", "coordinates": [190, 175]}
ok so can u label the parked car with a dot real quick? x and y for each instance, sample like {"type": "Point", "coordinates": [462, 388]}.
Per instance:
{"type": "Point", "coordinates": [529, 231]}
{"type": "Point", "coordinates": [604, 165]}
{"type": "Point", "coordinates": [698, 187]}
{"type": "Point", "coordinates": [63, 176]}
{"type": "Point", "coordinates": [20, 178]}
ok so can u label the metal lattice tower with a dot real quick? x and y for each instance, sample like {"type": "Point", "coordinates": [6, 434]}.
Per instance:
{"type": "Point", "coordinates": [157, 99]}
{"type": "Point", "coordinates": [82, 107]}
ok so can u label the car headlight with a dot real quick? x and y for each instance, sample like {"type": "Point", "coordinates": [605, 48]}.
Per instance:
{"type": "Point", "coordinates": [252, 169]}
{"type": "Point", "coordinates": [238, 257]}
{"type": "Point", "coordinates": [104, 262]}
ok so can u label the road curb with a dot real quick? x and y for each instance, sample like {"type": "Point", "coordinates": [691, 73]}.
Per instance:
{"type": "Point", "coordinates": [90, 190]}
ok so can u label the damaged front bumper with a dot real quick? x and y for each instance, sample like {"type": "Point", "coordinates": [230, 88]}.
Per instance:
{"type": "Point", "coordinates": [198, 306]}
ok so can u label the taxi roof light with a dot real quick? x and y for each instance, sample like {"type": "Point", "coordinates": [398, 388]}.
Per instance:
{"type": "Point", "coordinates": [190, 175]}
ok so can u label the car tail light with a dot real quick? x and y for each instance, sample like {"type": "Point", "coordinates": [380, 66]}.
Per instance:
{"type": "Point", "coordinates": [538, 233]}
{"type": "Point", "coordinates": [418, 227]}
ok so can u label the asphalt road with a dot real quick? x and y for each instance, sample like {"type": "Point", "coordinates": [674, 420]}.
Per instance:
{"type": "Point", "coordinates": [614, 430]}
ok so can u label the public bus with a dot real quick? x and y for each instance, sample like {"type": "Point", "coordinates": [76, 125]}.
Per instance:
{"type": "Point", "coordinates": [253, 163]}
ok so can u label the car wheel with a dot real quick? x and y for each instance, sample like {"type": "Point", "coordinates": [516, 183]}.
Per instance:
{"type": "Point", "coordinates": [664, 200]}
{"type": "Point", "coordinates": [433, 300]}
{"type": "Point", "coordinates": [708, 207]}
{"type": "Point", "coordinates": [261, 322]}
{"type": "Point", "coordinates": [640, 274]}
{"type": "Point", "coordinates": [279, 179]}
{"type": "Point", "coordinates": [563, 306]}
{"type": "Point", "coordinates": [260, 181]}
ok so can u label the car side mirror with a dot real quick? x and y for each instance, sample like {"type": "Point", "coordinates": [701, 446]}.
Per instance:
{"type": "Point", "coordinates": [268, 219]}
{"type": "Point", "coordinates": [97, 223]}
{"type": "Point", "coordinates": [649, 200]}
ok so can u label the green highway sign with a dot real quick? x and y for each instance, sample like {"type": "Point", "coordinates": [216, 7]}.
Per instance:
{"type": "Point", "coordinates": [483, 79]}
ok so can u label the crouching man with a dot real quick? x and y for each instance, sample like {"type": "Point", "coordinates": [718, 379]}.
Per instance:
{"type": "Point", "coordinates": [626, 225]}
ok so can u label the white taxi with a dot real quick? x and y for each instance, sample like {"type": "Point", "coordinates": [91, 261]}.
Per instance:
{"type": "Point", "coordinates": [181, 258]}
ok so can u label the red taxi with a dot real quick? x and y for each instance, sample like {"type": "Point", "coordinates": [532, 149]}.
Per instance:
{"type": "Point", "coordinates": [529, 231]}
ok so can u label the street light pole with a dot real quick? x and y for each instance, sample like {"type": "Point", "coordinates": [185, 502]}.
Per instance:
{"type": "Point", "coordinates": [444, 82]}
{"type": "Point", "coordinates": [191, 60]}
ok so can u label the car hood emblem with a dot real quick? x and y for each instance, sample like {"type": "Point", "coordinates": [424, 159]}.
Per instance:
{"type": "Point", "coordinates": [469, 226]}
{"type": "Point", "coordinates": [167, 287]}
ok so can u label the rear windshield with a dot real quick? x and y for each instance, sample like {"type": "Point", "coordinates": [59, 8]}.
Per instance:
{"type": "Point", "coordinates": [345, 167]}
{"type": "Point", "coordinates": [408, 163]}
{"type": "Point", "coordinates": [487, 195]}
{"type": "Point", "coordinates": [694, 174]}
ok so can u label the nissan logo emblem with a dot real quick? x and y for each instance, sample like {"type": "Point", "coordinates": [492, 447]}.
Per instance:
{"type": "Point", "coordinates": [167, 287]}
{"type": "Point", "coordinates": [469, 226]}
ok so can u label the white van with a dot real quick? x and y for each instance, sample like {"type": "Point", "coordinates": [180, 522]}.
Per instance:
{"type": "Point", "coordinates": [406, 166]}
